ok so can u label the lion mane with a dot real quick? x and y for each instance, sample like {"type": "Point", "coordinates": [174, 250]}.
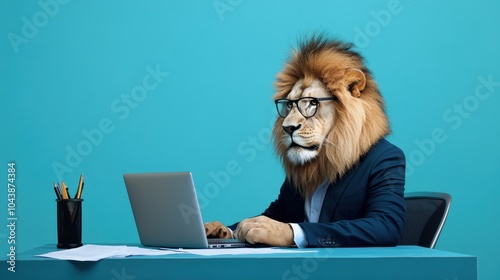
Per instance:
{"type": "Point", "coordinates": [359, 113]}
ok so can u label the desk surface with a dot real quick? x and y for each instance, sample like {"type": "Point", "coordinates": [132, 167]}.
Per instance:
{"type": "Point", "coordinates": [402, 262]}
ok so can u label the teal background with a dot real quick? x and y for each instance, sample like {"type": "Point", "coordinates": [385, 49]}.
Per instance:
{"type": "Point", "coordinates": [211, 112]}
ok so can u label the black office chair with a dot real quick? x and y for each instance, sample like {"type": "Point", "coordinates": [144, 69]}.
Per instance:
{"type": "Point", "coordinates": [426, 213]}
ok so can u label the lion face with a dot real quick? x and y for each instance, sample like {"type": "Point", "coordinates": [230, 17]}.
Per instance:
{"type": "Point", "coordinates": [320, 141]}
{"type": "Point", "coordinates": [303, 137]}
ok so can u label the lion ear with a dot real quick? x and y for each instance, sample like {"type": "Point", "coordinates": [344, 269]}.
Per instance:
{"type": "Point", "coordinates": [356, 81]}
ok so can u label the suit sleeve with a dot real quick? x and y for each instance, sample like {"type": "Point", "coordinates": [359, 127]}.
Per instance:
{"type": "Point", "coordinates": [288, 208]}
{"type": "Point", "coordinates": [383, 219]}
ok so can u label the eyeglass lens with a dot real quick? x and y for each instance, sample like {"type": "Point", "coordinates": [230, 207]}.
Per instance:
{"type": "Point", "coordinates": [306, 106]}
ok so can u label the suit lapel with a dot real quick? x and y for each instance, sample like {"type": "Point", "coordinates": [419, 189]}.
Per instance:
{"type": "Point", "coordinates": [333, 194]}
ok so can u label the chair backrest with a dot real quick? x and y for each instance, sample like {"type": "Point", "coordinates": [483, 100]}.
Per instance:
{"type": "Point", "coordinates": [426, 213]}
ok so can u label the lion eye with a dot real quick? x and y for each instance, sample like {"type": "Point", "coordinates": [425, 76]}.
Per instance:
{"type": "Point", "coordinates": [313, 102]}
{"type": "Point", "coordinates": [309, 103]}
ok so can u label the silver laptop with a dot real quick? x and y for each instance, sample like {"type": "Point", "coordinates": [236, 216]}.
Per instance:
{"type": "Point", "coordinates": [167, 213]}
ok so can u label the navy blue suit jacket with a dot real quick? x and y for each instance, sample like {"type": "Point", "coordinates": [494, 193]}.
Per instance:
{"type": "Point", "coordinates": [365, 207]}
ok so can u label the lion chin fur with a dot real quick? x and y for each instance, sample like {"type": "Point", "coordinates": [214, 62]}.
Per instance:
{"type": "Point", "coordinates": [359, 120]}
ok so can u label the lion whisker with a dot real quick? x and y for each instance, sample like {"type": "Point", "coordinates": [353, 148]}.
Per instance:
{"type": "Point", "coordinates": [328, 141]}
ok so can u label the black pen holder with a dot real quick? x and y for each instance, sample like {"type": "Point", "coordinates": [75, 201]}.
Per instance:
{"type": "Point", "coordinates": [69, 223]}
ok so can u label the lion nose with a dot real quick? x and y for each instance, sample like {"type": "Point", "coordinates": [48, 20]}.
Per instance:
{"type": "Point", "coordinates": [291, 128]}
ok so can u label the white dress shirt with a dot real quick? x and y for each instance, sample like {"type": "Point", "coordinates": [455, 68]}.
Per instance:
{"type": "Point", "coordinates": [312, 208]}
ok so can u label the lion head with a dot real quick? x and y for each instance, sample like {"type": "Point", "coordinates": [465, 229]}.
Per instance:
{"type": "Point", "coordinates": [330, 112]}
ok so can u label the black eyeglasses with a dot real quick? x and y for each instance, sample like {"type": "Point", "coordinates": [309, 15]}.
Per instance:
{"type": "Point", "coordinates": [307, 106]}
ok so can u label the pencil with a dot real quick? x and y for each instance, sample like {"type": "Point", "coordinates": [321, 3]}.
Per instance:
{"type": "Point", "coordinates": [78, 194]}
{"type": "Point", "coordinates": [56, 189]}
{"type": "Point", "coordinates": [64, 191]}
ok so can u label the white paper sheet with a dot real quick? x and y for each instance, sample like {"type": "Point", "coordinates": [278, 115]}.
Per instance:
{"type": "Point", "coordinates": [98, 252]}
{"type": "Point", "coordinates": [240, 251]}
{"type": "Point", "coordinates": [91, 252]}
